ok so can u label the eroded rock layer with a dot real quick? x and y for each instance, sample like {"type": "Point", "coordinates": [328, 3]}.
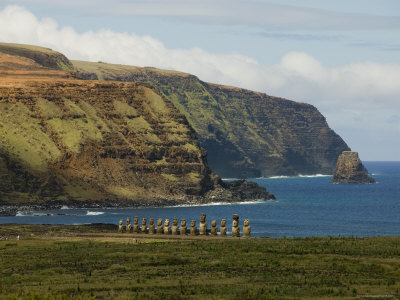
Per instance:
{"type": "Point", "coordinates": [349, 169]}
{"type": "Point", "coordinates": [246, 134]}
{"type": "Point", "coordinates": [68, 141]}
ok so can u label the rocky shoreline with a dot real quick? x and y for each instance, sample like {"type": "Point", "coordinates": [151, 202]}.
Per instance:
{"type": "Point", "coordinates": [226, 192]}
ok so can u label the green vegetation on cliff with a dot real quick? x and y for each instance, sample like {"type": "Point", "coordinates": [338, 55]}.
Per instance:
{"type": "Point", "coordinates": [245, 133]}
{"type": "Point", "coordinates": [85, 143]}
{"type": "Point", "coordinates": [97, 141]}
{"type": "Point", "coordinates": [75, 262]}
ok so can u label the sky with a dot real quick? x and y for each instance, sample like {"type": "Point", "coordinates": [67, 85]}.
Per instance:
{"type": "Point", "coordinates": [341, 56]}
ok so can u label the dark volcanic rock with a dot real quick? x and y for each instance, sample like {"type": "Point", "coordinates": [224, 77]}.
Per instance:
{"type": "Point", "coordinates": [349, 169]}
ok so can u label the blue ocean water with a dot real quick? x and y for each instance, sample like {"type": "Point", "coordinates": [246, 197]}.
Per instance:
{"type": "Point", "coordinates": [306, 206]}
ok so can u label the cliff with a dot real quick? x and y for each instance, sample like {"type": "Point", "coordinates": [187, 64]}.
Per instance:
{"type": "Point", "coordinates": [245, 133]}
{"type": "Point", "coordinates": [86, 143]}
{"type": "Point", "coordinates": [349, 169]}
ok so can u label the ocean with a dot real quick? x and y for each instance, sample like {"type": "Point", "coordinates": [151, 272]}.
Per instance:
{"type": "Point", "coordinates": [306, 206]}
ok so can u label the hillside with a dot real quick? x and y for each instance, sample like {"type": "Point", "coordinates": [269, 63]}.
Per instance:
{"type": "Point", "coordinates": [245, 133]}
{"type": "Point", "coordinates": [69, 141]}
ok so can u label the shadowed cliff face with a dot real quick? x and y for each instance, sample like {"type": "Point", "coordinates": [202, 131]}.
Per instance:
{"type": "Point", "coordinates": [246, 134]}
{"type": "Point", "coordinates": [68, 141]}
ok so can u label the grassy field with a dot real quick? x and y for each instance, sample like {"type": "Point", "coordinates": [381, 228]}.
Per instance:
{"type": "Point", "coordinates": [95, 262]}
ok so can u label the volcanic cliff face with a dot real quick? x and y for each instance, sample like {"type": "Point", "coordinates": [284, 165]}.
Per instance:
{"type": "Point", "coordinates": [68, 141]}
{"type": "Point", "coordinates": [245, 133]}
{"type": "Point", "coordinates": [349, 169]}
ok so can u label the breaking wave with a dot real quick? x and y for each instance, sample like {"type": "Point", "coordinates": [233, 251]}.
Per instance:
{"type": "Point", "coordinates": [298, 176]}
{"type": "Point", "coordinates": [94, 213]}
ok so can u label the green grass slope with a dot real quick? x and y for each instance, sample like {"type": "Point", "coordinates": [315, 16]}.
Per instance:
{"type": "Point", "coordinates": [245, 133]}
{"type": "Point", "coordinates": [90, 141]}
{"type": "Point", "coordinates": [106, 266]}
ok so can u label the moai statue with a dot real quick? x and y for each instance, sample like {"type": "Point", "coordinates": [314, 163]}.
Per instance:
{"type": "Point", "coordinates": [235, 226]}
{"type": "Point", "coordinates": [246, 228]}
{"type": "Point", "coordinates": [183, 228]}
{"type": "Point", "coordinates": [174, 226]}
{"type": "Point", "coordinates": [143, 229]}
{"type": "Point", "coordinates": [136, 228]}
{"type": "Point", "coordinates": [160, 229]}
{"type": "Point", "coordinates": [167, 227]}
{"type": "Point", "coordinates": [193, 228]}
{"type": "Point", "coordinates": [222, 229]}
{"type": "Point", "coordinates": [121, 226]}
{"type": "Point", "coordinates": [214, 228]}
{"type": "Point", "coordinates": [203, 225]}
{"type": "Point", "coordinates": [152, 228]}
{"type": "Point", "coordinates": [128, 225]}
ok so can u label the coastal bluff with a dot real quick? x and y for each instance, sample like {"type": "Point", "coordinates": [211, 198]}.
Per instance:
{"type": "Point", "coordinates": [349, 169]}
{"type": "Point", "coordinates": [83, 143]}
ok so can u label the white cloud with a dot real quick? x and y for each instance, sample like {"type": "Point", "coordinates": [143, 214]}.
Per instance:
{"type": "Point", "coordinates": [349, 95]}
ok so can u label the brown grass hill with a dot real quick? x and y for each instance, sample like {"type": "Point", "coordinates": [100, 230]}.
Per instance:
{"type": "Point", "coordinates": [88, 143]}
{"type": "Point", "coordinates": [245, 133]}
{"type": "Point", "coordinates": [38, 56]}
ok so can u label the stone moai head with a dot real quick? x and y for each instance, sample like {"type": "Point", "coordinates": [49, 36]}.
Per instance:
{"type": "Point", "coordinates": [175, 222]}
{"type": "Point", "coordinates": [214, 228]}
{"type": "Point", "coordinates": [246, 228]}
{"type": "Point", "coordinates": [136, 220]}
{"type": "Point", "coordinates": [128, 220]}
{"type": "Point", "coordinates": [151, 226]}
{"type": "Point", "coordinates": [160, 229]}
{"type": "Point", "coordinates": [202, 218]}
{"type": "Point", "coordinates": [183, 223]}
{"type": "Point", "coordinates": [222, 230]}
{"type": "Point", "coordinates": [121, 226]}
{"type": "Point", "coordinates": [144, 221]}
{"type": "Point", "coordinates": [203, 225]}
{"type": "Point", "coordinates": [166, 222]}
{"type": "Point", "coordinates": [235, 221]}
{"type": "Point", "coordinates": [193, 228]}
{"type": "Point", "coordinates": [235, 226]}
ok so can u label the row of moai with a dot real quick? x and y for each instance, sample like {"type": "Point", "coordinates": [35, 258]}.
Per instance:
{"type": "Point", "coordinates": [166, 228]}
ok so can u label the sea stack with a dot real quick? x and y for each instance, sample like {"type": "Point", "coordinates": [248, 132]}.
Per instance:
{"type": "Point", "coordinates": [349, 169]}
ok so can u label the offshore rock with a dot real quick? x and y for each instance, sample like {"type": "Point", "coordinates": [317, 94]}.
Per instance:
{"type": "Point", "coordinates": [349, 169]}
